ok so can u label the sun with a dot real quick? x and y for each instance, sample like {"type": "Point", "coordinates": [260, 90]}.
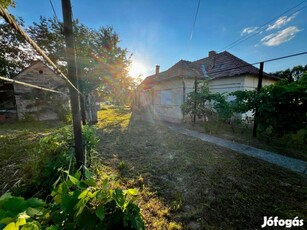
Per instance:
{"type": "Point", "coordinates": [136, 69]}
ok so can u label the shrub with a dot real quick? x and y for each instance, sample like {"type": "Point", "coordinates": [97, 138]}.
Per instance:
{"type": "Point", "coordinates": [52, 153]}
{"type": "Point", "coordinates": [76, 204]}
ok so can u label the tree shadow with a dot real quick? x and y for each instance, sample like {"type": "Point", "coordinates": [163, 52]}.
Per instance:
{"type": "Point", "coordinates": [201, 185]}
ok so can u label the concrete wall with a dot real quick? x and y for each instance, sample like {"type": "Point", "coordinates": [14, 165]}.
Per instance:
{"type": "Point", "coordinates": [37, 103]}
{"type": "Point", "coordinates": [167, 99]}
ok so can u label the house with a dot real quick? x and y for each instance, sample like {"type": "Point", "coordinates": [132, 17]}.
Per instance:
{"type": "Point", "coordinates": [36, 104]}
{"type": "Point", "coordinates": [160, 95]}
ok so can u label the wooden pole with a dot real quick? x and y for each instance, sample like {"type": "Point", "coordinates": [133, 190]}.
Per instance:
{"type": "Point", "coordinates": [72, 75]}
{"type": "Point", "coordinates": [195, 106]}
{"type": "Point", "coordinates": [258, 91]}
{"type": "Point", "coordinates": [82, 99]}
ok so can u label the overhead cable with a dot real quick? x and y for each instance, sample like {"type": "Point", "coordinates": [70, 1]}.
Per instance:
{"type": "Point", "coordinates": [13, 23]}
{"type": "Point", "coordinates": [31, 85]}
{"type": "Point", "coordinates": [261, 28]}
{"type": "Point", "coordinates": [55, 15]}
{"type": "Point", "coordinates": [196, 14]}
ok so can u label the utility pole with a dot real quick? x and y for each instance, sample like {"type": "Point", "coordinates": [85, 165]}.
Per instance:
{"type": "Point", "coordinates": [195, 100]}
{"type": "Point", "coordinates": [258, 91]}
{"type": "Point", "coordinates": [72, 75]}
{"type": "Point", "coordinates": [82, 97]}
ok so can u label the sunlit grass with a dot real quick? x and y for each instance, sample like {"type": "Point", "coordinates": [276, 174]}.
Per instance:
{"type": "Point", "coordinates": [113, 116]}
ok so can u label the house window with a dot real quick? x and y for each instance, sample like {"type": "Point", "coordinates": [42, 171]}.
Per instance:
{"type": "Point", "coordinates": [166, 97]}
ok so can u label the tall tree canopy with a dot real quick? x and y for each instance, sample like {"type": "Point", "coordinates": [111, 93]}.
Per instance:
{"type": "Point", "coordinates": [7, 3]}
{"type": "Point", "coordinates": [292, 74]}
{"type": "Point", "coordinates": [102, 64]}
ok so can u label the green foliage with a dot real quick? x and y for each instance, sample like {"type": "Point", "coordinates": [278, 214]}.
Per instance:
{"type": "Point", "coordinates": [76, 204]}
{"type": "Point", "coordinates": [52, 153]}
{"type": "Point", "coordinates": [282, 107]}
{"type": "Point", "coordinates": [7, 3]}
{"type": "Point", "coordinates": [82, 204]}
{"type": "Point", "coordinates": [18, 213]}
{"type": "Point", "coordinates": [101, 62]}
{"type": "Point", "coordinates": [203, 102]}
{"type": "Point", "coordinates": [12, 57]}
{"type": "Point", "coordinates": [291, 75]}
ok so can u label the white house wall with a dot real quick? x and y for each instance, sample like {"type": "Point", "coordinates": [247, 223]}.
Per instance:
{"type": "Point", "coordinates": [227, 85]}
{"type": "Point", "coordinates": [251, 82]}
{"type": "Point", "coordinates": [169, 108]}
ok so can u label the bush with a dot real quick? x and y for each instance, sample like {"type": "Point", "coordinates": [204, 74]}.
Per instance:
{"type": "Point", "coordinates": [76, 204]}
{"type": "Point", "coordinates": [52, 153]}
{"type": "Point", "coordinates": [203, 103]}
{"type": "Point", "coordinates": [281, 107]}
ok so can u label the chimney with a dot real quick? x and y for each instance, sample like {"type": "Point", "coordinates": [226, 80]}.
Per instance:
{"type": "Point", "coordinates": [157, 70]}
{"type": "Point", "coordinates": [212, 53]}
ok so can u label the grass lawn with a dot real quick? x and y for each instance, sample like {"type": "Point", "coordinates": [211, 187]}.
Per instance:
{"type": "Point", "coordinates": [189, 184]}
{"type": "Point", "coordinates": [16, 139]}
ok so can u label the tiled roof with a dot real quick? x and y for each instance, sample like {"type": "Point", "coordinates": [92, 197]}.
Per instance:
{"type": "Point", "coordinates": [226, 65]}
{"type": "Point", "coordinates": [217, 65]}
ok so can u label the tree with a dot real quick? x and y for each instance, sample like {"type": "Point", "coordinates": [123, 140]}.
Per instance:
{"type": "Point", "coordinates": [102, 63]}
{"type": "Point", "coordinates": [15, 53]}
{"type": "Point", "coordinates": [291, 75]}
{"type": "Point", "coordinates": [7, 3]}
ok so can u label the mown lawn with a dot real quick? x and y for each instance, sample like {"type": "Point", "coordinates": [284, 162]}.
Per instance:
{"type": "Point", "coordinates": [189, 184]}
{"type": "Point", "coordinates": [16, 141]}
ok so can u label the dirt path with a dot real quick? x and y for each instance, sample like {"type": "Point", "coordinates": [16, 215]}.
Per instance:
{"type": "Point", "coordinates": [274, 158]}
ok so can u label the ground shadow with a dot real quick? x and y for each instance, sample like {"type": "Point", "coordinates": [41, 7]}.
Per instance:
{"type": "Point", "coordinates": [204, 186]}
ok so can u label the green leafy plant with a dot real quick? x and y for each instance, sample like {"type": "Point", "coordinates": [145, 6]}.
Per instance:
{"type": "Point", "coordinates": [203, 103]}
{"type": "Point", "coordinates": [281, 107]}
{"type": "Point", "coordinates": [18, 213]}
{"type": "Point", "coordinates": [76, 204]}
{"type": "Point", "coordinates": [82, 204]}
{"type": "Point", "coordinates": [52, 153]}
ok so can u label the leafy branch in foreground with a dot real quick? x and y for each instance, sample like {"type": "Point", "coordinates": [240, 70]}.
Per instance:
{"type": "Point", "coordinates": [77, 204]}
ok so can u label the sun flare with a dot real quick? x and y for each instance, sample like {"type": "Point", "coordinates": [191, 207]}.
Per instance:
{"type": "Point", "coordinates": [136, 69]}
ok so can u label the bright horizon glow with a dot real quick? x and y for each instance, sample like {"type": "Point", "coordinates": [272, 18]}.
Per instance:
{"type": "Point", "coordinates": [136, 69]}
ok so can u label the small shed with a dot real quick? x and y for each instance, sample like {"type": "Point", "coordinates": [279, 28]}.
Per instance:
{"type": "Point", "coordinates": [35, 104]}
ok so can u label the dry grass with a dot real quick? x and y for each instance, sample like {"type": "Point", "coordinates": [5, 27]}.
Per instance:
{"type": "Point", "coordinates": [186, 183]}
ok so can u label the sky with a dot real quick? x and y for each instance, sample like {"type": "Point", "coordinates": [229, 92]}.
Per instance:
{"type": "Point", "coordinates": [162, 32]}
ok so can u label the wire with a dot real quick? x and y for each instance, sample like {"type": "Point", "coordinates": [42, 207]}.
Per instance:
{"type": "Point", "coordinates": [196, 14]}
{"type": "Point", "coordinates": [31, 85]}
{"type": "Point", "coordinates": [256, 33]}
{"type": "Point", "coordinates": [13, 23]}
{"type": "Point", "coordinates": [262, 28]}
{"type": "Point", "coordinates": [56, 17]}
{"type": "Point", "coordinates": [283, 57]}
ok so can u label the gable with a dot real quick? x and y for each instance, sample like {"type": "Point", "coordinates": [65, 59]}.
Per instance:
{"type": "Point", "coordinates": [41, 75]}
